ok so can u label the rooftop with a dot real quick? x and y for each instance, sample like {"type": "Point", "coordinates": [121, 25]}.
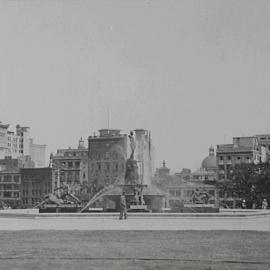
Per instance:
{"type": "Point", "coordinates": [233, 148]}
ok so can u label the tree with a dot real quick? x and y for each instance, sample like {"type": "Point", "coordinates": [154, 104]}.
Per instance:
{"type": "Point", "coordinates": [247, 181]}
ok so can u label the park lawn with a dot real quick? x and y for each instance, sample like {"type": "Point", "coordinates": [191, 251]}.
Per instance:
{"type": "Point", "coordinates": [134, 250]}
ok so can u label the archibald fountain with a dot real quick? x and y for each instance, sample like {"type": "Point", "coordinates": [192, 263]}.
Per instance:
{"type": "Point", "coordinates": [131, 185]}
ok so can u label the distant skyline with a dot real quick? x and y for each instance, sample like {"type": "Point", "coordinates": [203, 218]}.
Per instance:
{"type": "Point", "coordinates": [194, 73]}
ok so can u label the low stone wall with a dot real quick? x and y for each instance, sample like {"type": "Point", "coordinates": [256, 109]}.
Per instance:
{"type": "Point", "coordinates": [20, 211]}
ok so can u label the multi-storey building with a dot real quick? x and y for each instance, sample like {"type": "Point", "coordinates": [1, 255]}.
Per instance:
{"type": "Point", "coordinates": [10, 179]}
{"type": "Point", "coordinates": [37, 153]}
{"type": "Point", "coordinates": [35, 184]}
{"type": "Point", "coordinates": [70, 166]}
{"type": "Point", "coordinates": [107, 156]}
{"type": "Point", "coordinates": [264, 142]}
{"type": "Point", "coordinates": [185, 174]}
{"type": "Point", "coordinates": [109, 151]}
{"type": "Point", "coordinates": [204, 175]}
{"type": "Point", "coordinates": [242, 150]}
{"type": "Point", "coordinates": [20, 162]}
{"type": "Point", "coordinates": [19, 143]}
{"type": "Point", "coordinates": [10, 183]}
{"type": "Point", "coordinates": [3, 138]}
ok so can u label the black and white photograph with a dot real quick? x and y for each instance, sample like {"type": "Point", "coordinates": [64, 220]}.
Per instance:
{"type": "Point", "coordinates": [135, 134]}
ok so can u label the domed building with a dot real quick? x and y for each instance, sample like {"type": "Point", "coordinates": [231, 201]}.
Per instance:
{"type": "Point", "coordinates": [210, 162]}
{"type": "Point", "coordinates": [163, 171]}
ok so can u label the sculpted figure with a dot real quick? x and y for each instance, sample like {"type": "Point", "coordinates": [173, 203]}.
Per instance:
{"type": "Point", "coordinates": [132, 144]}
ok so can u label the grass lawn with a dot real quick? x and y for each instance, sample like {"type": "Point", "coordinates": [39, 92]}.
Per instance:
{"type": "Point", "coordinates": [134, 250]}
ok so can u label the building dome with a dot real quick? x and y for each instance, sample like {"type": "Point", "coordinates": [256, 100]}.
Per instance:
{"type": "Point", "coordinates": [163, 171]}
{"type": "Point", "coordinates": [210, 162]}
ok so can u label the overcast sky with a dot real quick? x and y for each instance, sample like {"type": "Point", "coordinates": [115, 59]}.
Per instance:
{"type": "Point", "coordinates": [195, 73]}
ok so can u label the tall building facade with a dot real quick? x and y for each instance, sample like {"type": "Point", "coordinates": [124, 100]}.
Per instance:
{"type": "Point", "coordinates": [10, 183]}
{"type": "Point", "coordinates": [19, 143]}
{"type": "Point", "coordinates": [35, 184]}
{"type": "Point", "coordinates": [107, 156]}
{"type": "Point", "coordinates": [37, 152]}
{"type": "Point", "coordinates": [242, 150]}
{"type": "Point", "coordinates": [264, 142]}
{"type": "Point", "coordinates": [109, 151]}
{"type": "Point", "coordinates": [70, 166]}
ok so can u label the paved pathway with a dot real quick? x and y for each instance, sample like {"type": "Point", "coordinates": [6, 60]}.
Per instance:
{"type": "Point", "coordinates": [249, 223]}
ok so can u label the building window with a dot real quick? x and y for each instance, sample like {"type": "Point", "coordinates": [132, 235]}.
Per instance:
{"type": "Point", "coordinates": [228, 157]}
{"type": "Point", "coordinates": [7, 187]}
{"type": "Point", "coordinates": [77, 176]}
{"type": "Point", "coordinates": [83, 175]}
{"type": "Point", "coordinates": [221, 158]}
{"type": "Point", "coordinates": [188, 193]}
{"type": "Point", "coordinates": [238, 158]}
{"type": "Point", "coordinates": [77, 164]}
{"type": "Point", "coordinates": [69, 176]}
{"type": "Point", "coordinates": [7, 194]}
{"type": "Point", "coordinates": [16, 178]}
{"type": "Point", "coordinates": [7, 178]}
{"type": "Point", "coordinates": [70, 164]}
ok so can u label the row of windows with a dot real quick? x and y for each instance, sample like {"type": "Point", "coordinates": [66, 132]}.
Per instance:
{"type": "Point", "coordinates": [15, 139]}
{"type": "Point", "coordinates": [264, 138]}
{"type": "Point", "coordinates": [32, 201]}
{"type": "Point", "coordinates": [10, 178]}
{"type": "Point", "coordinates": [96, 155]}
{"type": "Point", "coordinates": [266, 146]}
{"type": "Point", "coordinates": [9, 194]}
{"type": "Point", "coordinates": [9, 187]}
{"type": "Point", "coordinates": [75, 154]}
{"type": "Point", "coordinates": [106, 166]}
{"type": "Point", "coordinates": [229, 158]}
{"type": "Point", "coordinates": [15, 145]}
{"type": "Point", "coordinates": [35, 192]}
{"type": "Point", "coordinates": [70, 164]}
